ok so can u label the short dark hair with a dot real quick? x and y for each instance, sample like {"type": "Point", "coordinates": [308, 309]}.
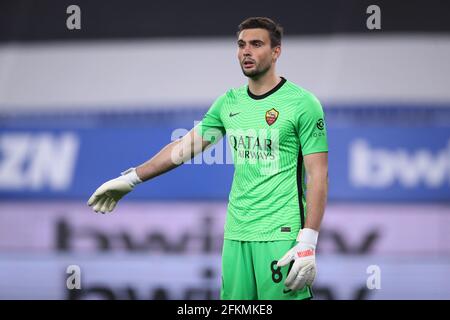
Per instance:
{"type": "Point", "coordinates": [275, 30]}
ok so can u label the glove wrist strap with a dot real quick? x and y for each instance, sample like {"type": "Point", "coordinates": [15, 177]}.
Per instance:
{"type": "Point", "coordinates": [131, 176]}
{"type": "Point", "coordinates": [309, 236]}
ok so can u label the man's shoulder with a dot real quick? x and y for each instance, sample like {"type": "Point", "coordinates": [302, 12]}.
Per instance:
{"type": "Point", "coordinates": [230, 97]}
{"type": "Point", "coordinates": [236, 92]}
{"type": "Point", "coordinates": [297, 90]}
{"type": "Point", "coordinates": [299, 93]}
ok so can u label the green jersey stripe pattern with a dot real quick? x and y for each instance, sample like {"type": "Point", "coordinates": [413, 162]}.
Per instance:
{"type": "Point", "coordinates": [300, 180]}
{"type": "Point", "coordinates": [268, 136]}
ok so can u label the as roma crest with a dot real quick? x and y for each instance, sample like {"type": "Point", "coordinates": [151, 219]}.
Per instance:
{"type": "Point", "coordinates": [271, 116]}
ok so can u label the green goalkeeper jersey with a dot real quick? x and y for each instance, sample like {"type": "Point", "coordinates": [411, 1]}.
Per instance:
{"type": "Point", "coordinates": [268, 136]}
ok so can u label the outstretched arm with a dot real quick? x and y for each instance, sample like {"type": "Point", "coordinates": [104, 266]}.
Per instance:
{"type": "Point", "coordinates": [105, 198]}
{"type": "Point", "coordinates": [172, 155]}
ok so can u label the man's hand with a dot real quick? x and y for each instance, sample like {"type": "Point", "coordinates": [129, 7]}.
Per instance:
{"type": "Point", "coordinates": [303, 271]}
{"type": "Point", "coordinates": [105, 198]}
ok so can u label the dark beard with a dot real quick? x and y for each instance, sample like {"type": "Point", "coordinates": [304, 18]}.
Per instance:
{"type": "Point", "coordinates": [256, 73]}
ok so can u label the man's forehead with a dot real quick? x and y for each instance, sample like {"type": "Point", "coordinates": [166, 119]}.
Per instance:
{"type": "Point", "coordinates": [254, 34]}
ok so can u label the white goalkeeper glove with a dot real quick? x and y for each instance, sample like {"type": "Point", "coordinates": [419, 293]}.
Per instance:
{"type": "Point", "coordinates": [105, 198]}
{"type": "Point", "coordinates": [303, 270]}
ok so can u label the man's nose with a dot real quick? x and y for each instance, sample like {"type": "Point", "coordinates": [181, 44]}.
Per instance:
{"type": "Point", "coordinates": [246, 51]}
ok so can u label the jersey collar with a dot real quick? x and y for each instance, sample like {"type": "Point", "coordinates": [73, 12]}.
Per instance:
{"type": "Point", "coordinates": [268, 93]}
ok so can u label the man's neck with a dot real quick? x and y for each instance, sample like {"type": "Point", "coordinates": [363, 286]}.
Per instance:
{"type": "Point", "coordinates": [264, 84]}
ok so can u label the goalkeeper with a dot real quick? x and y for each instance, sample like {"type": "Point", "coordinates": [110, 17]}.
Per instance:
{"type": "Point", "coordinates": [277, 134]}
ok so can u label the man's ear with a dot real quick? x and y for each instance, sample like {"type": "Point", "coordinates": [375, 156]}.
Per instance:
{"type": "Point", "coordinates": [276, 52]}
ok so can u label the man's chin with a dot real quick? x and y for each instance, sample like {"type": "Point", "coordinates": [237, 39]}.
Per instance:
{"type": "Point", "coordinates": [250, 73]}
{"type": "Point", "coordinates": [255, 73]}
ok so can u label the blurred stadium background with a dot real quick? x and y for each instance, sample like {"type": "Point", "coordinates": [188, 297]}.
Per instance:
{"type": "Point", "coordinates": [77, 107]}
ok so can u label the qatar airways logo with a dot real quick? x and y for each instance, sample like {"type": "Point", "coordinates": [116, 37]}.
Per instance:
{"type": "Point", "coordinates": [240, 147]}
{"type": "Point", "coordinates": [251, 146]}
